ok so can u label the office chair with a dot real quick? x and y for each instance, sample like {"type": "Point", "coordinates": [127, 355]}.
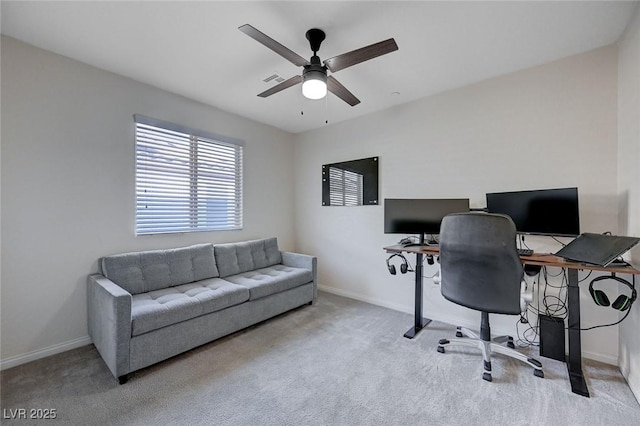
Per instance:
{"type": "Point", "coordinates": [481, 270]}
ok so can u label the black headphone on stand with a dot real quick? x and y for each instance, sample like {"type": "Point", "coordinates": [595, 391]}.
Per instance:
{"type": "Point", "coordinates": [622, 303]}
{"type": "Point", "coordinates": [403, 268]}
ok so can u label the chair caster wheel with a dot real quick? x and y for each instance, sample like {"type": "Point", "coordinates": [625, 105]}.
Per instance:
{"type": "Point", "coordinates": [441, 349]}
{"type": "Point", "coordinates": [538, 373]}
{"type": "Point", "coordinates": [459, 334]}
{"type": "Point", "coordinates": [487, 377]}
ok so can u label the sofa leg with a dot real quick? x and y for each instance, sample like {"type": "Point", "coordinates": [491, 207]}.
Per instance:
{"type": "Point", "coordinates": [310, 303]}
{"type": "Point", "coordinates": [123, 379]}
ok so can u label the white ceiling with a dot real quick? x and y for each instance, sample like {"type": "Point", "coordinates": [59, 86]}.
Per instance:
{"type": "Point", "coordinates": [195, 49]}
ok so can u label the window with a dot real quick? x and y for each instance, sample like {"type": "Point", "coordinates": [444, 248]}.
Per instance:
{"type": "Point", "coordinates": [186, 180]}
{"type": "Point", "coordinates": [345, 187]}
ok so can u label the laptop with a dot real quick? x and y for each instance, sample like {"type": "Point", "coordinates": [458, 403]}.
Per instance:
{"type": "Point", "coordinates": [597, 249]}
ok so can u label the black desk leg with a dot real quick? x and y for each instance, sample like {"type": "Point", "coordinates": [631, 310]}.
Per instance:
{"type": "Point", "coordinates": [419, 320]}
{"type": "Point", "coordinates": [574, 362]}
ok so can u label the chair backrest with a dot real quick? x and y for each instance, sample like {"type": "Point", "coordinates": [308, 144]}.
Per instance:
{"type": "Point", "coordinates": [479, 263]}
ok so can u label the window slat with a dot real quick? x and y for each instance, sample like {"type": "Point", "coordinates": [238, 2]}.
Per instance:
{"type": "Point", "coordinates": [185, 182]}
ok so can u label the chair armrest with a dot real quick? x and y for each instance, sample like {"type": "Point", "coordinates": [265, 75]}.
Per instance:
{"type": "Point", "coordinates": [109, 322]}
{"type": "Point", "coordinates": [298, 260]}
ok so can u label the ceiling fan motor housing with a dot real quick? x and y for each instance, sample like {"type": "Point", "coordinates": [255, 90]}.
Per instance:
{"type": "Point", "coordinates": [315, 68]}
{"type": "Point", "coordinates": [315, 71]}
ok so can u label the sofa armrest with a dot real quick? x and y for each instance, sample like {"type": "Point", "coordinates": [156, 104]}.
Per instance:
{"type": "Point", "coordinates": [298, 260]}
{"type": "Point", "coordinates": [109, 322]}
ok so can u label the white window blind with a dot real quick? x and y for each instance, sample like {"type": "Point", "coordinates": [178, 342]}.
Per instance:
{"type": "Point", "coordinates": [186, 180]}
{"type": "Point", "coordinates": [345, 187]}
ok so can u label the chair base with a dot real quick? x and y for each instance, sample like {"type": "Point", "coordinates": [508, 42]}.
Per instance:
{"type": "Point", "coordinates": [497, 339]}
{"type": "Point", "coordinates": [487, 348]}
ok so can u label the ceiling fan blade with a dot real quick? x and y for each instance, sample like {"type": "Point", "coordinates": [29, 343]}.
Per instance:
{"type": "Point", "coordinates": [354, 57]}
{"type": "Point", "coordinates": [335, 87]}
{"type": "Point", "coordinates": [285, 52]}
{"type": "Point", "coordinates": [284, 85]}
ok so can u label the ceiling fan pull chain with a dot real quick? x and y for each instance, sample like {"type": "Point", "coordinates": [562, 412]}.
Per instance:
{"type": "Point", "coordinates": [326, 109]}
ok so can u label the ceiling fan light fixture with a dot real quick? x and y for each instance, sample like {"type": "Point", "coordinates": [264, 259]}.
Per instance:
{"type": "Point", "coordinates": [314, 84]}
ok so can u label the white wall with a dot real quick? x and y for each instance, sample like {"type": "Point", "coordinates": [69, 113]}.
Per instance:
{"type": "Point", "coordinates": [547, 127]}
{"type": "Point", "coordinates": [68, 188]}
{"type": "Point", "coordinates": [629, 184]}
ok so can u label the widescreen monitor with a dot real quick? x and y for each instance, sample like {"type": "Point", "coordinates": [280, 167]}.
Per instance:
{"type": "Point", "coordinates": [540, 212]}
{"type": "Point", "coordinates": [419, 215]}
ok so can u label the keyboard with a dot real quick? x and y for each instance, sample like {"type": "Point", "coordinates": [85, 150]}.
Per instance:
{"type": "Point", "coordinates": [525, 252]}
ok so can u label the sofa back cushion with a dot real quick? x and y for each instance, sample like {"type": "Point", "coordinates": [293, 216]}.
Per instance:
{"type": "Point", "coordinates": [235, 258]}
{"type": "Point", "coordinates": [145, 271]}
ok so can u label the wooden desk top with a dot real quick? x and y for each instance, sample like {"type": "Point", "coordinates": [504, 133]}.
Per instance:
{"type": "Point", "coordinates": [542, 259]}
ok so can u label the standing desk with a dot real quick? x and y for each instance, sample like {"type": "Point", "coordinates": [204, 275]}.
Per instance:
{"type": "Point", "coordinates": [574, 360]}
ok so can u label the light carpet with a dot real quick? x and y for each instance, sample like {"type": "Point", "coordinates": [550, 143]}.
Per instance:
{"type": "Point", "coordinates": [337, 362]}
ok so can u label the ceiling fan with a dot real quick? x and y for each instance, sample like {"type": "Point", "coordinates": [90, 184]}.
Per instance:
{"type": "Point", "coordinates": [314, 79]}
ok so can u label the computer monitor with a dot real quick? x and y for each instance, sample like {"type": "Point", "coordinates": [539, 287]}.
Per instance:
{"type": "Point", "coordinates": [540, 212]}
{"type": "Point", "coordinates": [419, 215]}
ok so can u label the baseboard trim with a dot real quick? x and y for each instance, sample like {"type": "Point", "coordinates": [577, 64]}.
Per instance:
{"type": "Point", "coordinates": [607, 359]}
{"type": "Point", "coordinates": [401, 308]}
{"type": "Point", "coordinates": [355, 296]}
{"type": "Point", "coordinates": [17, 360]}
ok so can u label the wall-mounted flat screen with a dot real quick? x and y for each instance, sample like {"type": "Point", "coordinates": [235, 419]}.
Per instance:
{"type": "Point", "coordinates": [539, 212]}
{"type": "Point", "coordinates": [419, 215]}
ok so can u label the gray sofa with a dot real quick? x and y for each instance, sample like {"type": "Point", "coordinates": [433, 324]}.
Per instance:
{"type": "Point", "coordinates": [148, 306]}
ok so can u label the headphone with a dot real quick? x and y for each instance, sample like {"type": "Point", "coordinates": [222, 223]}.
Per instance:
{"type": "Point", "coordinates": [622, 303]}
{"type": "Point", "coordinates": [403, 268]}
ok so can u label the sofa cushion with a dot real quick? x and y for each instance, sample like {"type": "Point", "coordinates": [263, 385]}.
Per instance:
{"type": "Point", "coordinates": [272, 279]}
{"type": "Point", "coordinates": [235, 258]}
{"type": "Point", "coordinates": [160, 308]}
{"type": "Point", "coordinates": [145, 271]}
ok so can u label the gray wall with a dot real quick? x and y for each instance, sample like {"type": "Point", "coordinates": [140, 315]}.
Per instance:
{"type": "Point", "coordinates": [68, 188]}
